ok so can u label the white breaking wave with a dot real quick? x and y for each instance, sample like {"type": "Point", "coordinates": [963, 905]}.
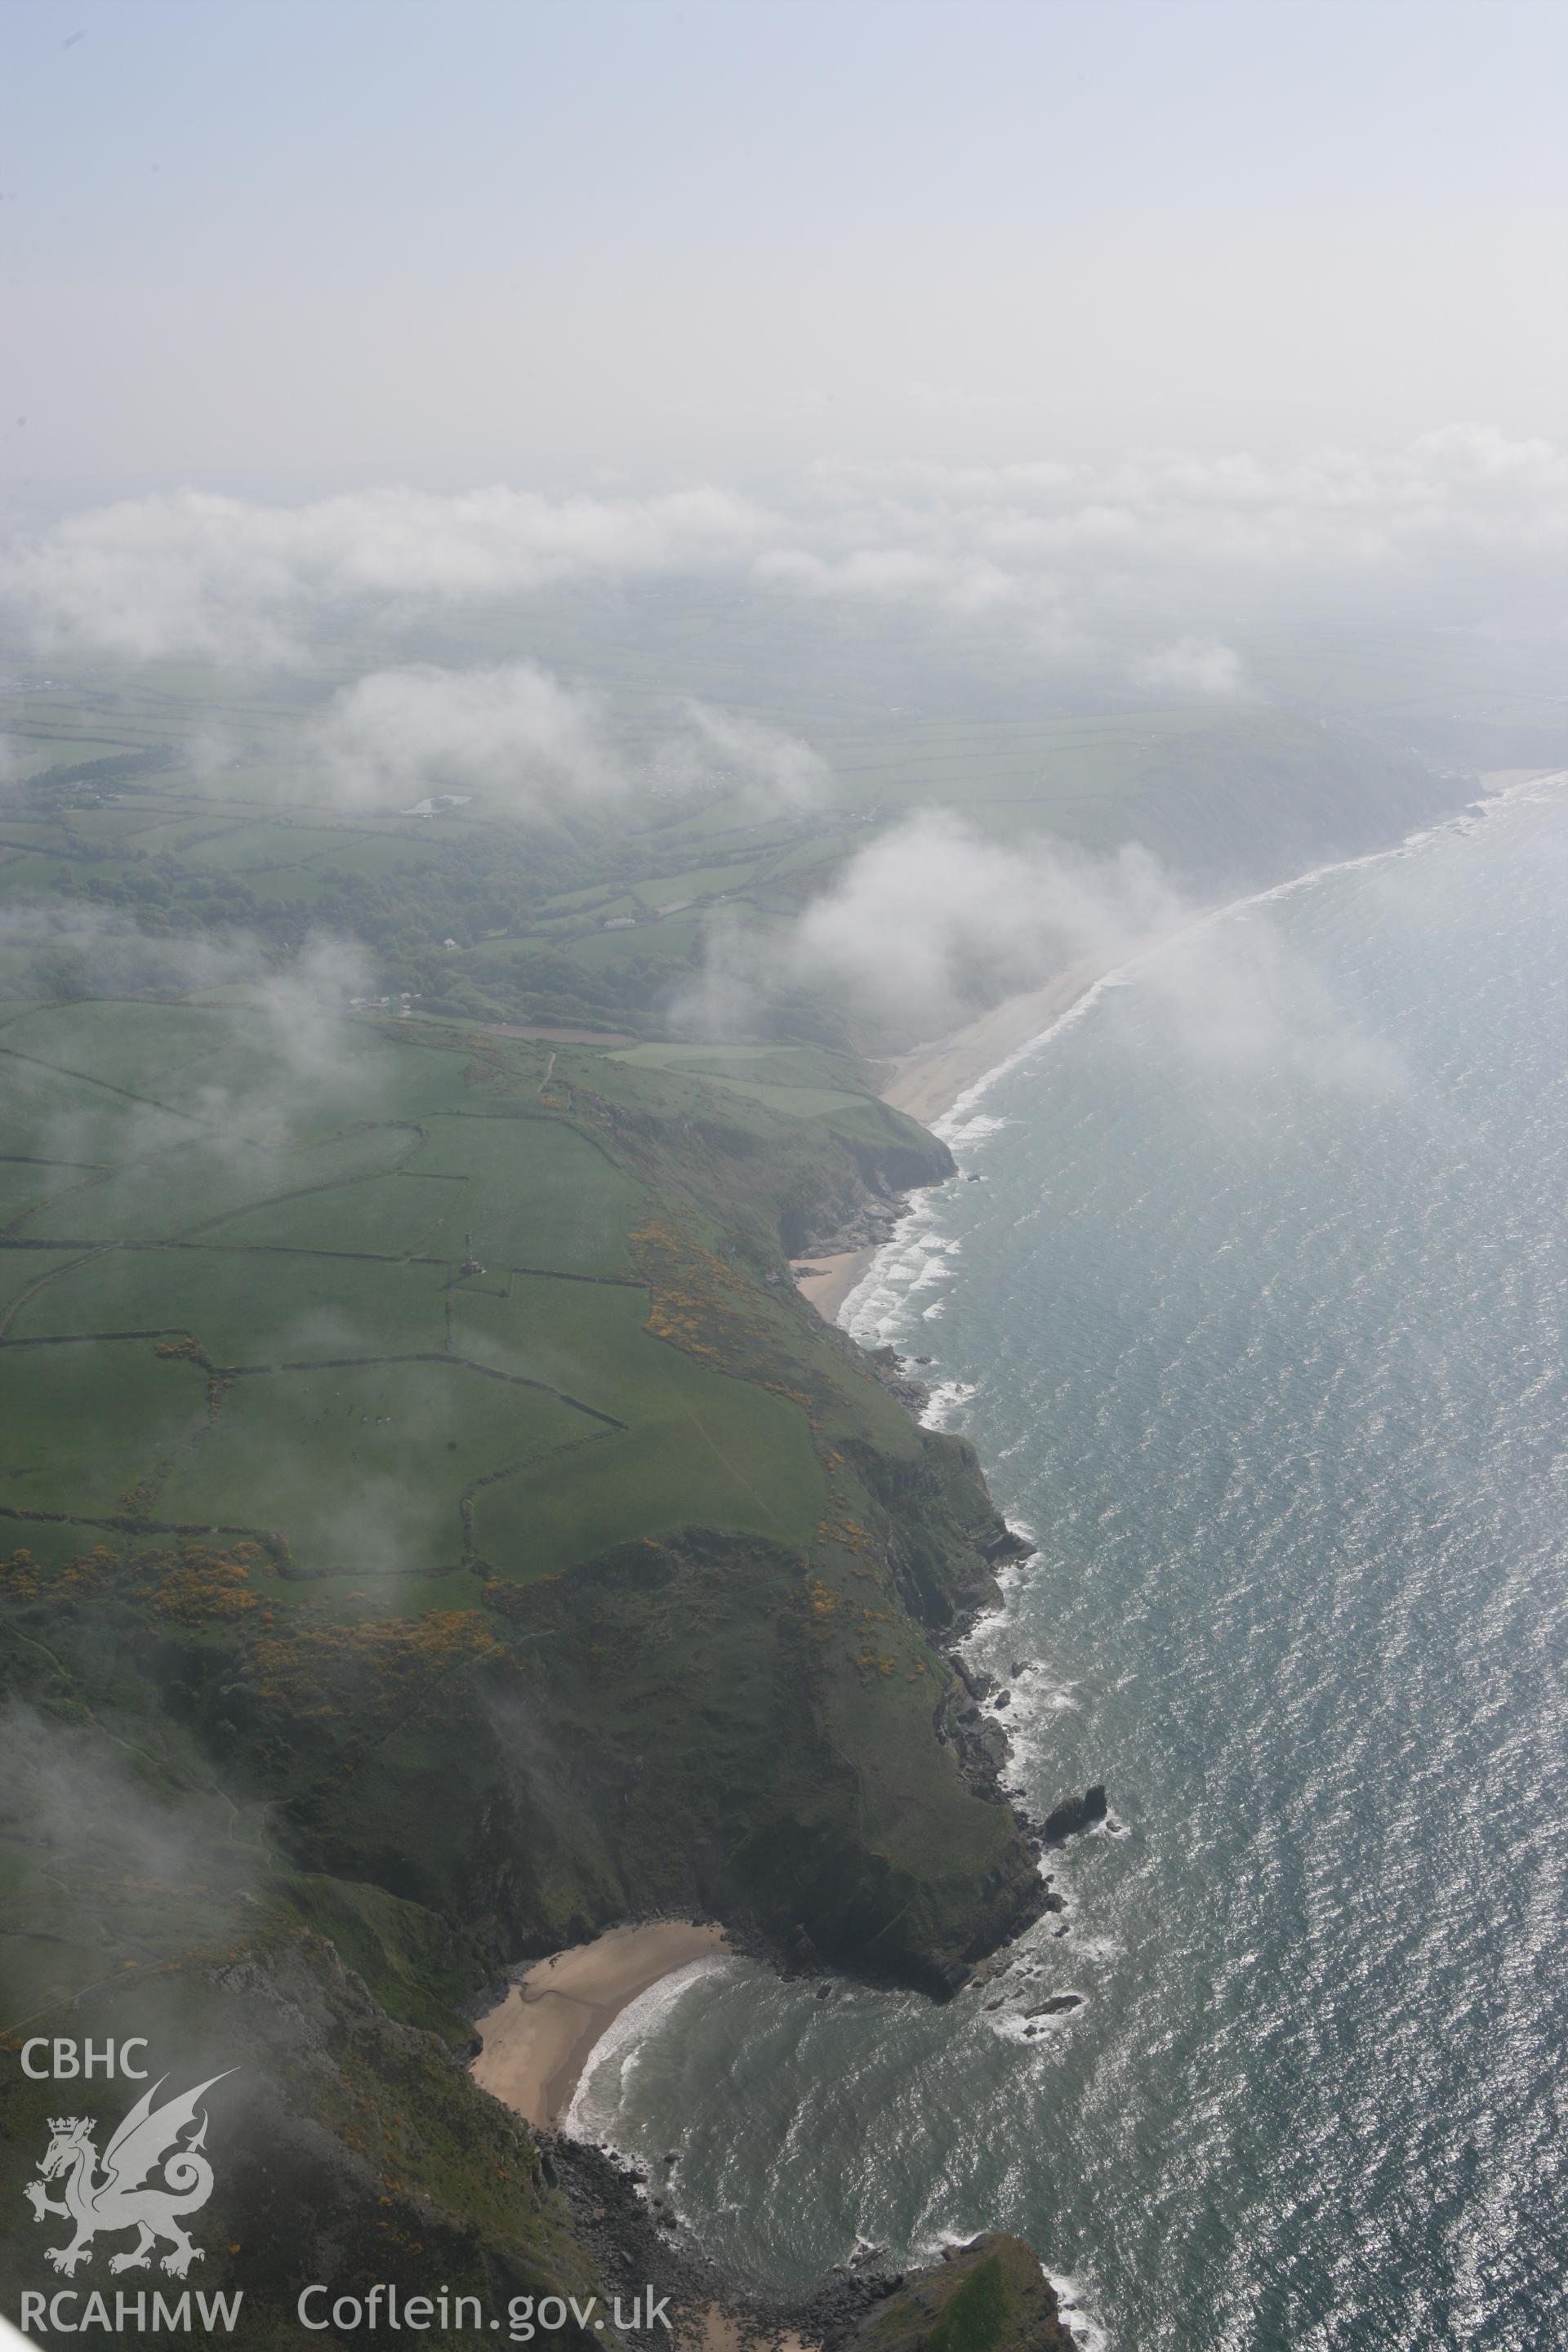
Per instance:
{"type": "Point", "coordinates": [621, 2046]}
{"type": "Point", "coordinates": [1084, 2330]}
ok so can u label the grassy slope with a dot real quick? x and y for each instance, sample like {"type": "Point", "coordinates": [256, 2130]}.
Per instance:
{"type": "Point", "coordinates": [516, 1601]}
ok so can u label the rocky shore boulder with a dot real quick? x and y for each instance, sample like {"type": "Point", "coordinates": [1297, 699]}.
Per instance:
{"type": "Point", "coordinates": [1076, 1814]}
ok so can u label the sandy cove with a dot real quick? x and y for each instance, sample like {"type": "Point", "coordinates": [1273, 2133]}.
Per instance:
{"type": "Point", "coordinates": [539, 2038]}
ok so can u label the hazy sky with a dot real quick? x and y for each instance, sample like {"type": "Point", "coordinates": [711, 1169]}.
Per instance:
{"type": "Point", "coordinates": [289, 244]}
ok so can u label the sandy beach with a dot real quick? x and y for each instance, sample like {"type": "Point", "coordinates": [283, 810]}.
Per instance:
{"type": "Point", "coordinates": [929, 1079]}
{"type": "Point", "coordinates": [539, 2039]}
{"type": "Point", "coordinates": [832, 1278]}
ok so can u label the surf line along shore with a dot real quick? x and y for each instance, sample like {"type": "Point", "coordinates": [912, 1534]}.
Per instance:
{"type": "Point", "coordinates": [537, 2042]}
{"type": "Point", "coordinates": [930, 1080]}
{"type": "Point", "coordinates": [539, 2039]}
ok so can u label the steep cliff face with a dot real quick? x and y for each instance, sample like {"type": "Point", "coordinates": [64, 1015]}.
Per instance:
{"type": "Point", "coordinates": [687, 1725]}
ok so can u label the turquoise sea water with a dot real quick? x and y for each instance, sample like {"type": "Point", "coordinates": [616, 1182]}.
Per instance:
{"type": "Point", "coordinates": [1257, 1322]}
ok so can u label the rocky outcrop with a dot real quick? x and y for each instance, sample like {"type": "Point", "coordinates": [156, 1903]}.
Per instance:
{"type": "Point", "coordinates": [990, 2295]}
{"type": "Point", "coordinates": [1075, 1815]}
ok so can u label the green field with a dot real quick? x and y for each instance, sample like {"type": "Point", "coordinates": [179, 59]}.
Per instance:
{"type": "Point", "coordinates": [480, 916]}
{"type": "Point", "coordinates": [281, 1337]}
{"type": "Point", "coordinates": [87, 1423]}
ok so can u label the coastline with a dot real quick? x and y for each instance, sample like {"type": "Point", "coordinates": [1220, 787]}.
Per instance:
{"type": "Point", "coordinates": [538, 2040]}
{"type": "Point", "coordinates": [930, 1080]}
{"type": "Point", "coordinates": [926, 1082]}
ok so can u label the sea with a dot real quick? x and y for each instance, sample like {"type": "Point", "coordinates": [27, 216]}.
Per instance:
{"type": "Point", "coordinates": [1257, 1319]}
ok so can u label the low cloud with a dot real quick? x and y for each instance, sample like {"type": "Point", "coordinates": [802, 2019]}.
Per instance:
{"type": "Point", "coordinates": [540, 747]}
{"type": "Point", "coordinates": [932, 924]}
{"type": "Point", "coordinates": [1194, 666]}
{"type": "Point", "coordinates": [90, 1812]}
{"type": "Point", "coordinates": [226, 580]}
{"type": "Point", "coordinates": [1085, 559]}
{"type": "Point", "coordinates": [294, 1056]}
{"type": "Point", "coordinates": [893, 576]}
{"type": "Point", "coordinates": [1461, 493]}
{"type": "Point", "coordinates": [771, 769]}
{"type": "Point", "coordinates": [403, 734]}
{"type": "Point", "coordinates": [933, 921]}
{"type": "Point", "coordinates": [1081, 557]}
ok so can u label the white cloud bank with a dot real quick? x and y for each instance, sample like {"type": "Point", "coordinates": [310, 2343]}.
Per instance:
{"type": "Point", "coordinates": [1061, 549]}
{"type": "Point", "coordinates": [399, 734]}
{"type": "Point", "coordinates": [1196, 666]}
{"type": "Point", "coordinates": [540, 747]}
{"type": "Point", "coordinates": [932, 923]}
{"type": "Point", "coordinates": [1464, 493]}
{"type": "Point", "coordinates": [229, 581]}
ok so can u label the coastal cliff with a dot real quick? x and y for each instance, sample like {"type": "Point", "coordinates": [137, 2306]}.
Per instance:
{"type": "Point", "coordinates": [355, 1820]}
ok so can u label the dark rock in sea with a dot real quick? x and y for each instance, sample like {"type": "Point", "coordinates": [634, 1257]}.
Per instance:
{"type": "Point", "coordinates": [1076, 1814]}
{"type": "Point", "coordinates": [1063, 1930]}
{"type": "Point", "coordinates": [973, 1179]}
{"type": "Point", "coordinates": [1017, 1667]}
{"type": "Point", "coordinates": [1058, 2005]}
{"type": "Point", "coordinates": [825, 1992]}
{"type": "Point", "coordinates": [924, 1359]}
{"type": "Point", "coordinates": [1001, 1542]}
{"type": "Point", "coordinates": [1004, 1698]}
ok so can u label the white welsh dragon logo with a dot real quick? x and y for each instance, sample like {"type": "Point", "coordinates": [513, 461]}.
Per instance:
{"type": "Point", "coordinates": [124, 2199]}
